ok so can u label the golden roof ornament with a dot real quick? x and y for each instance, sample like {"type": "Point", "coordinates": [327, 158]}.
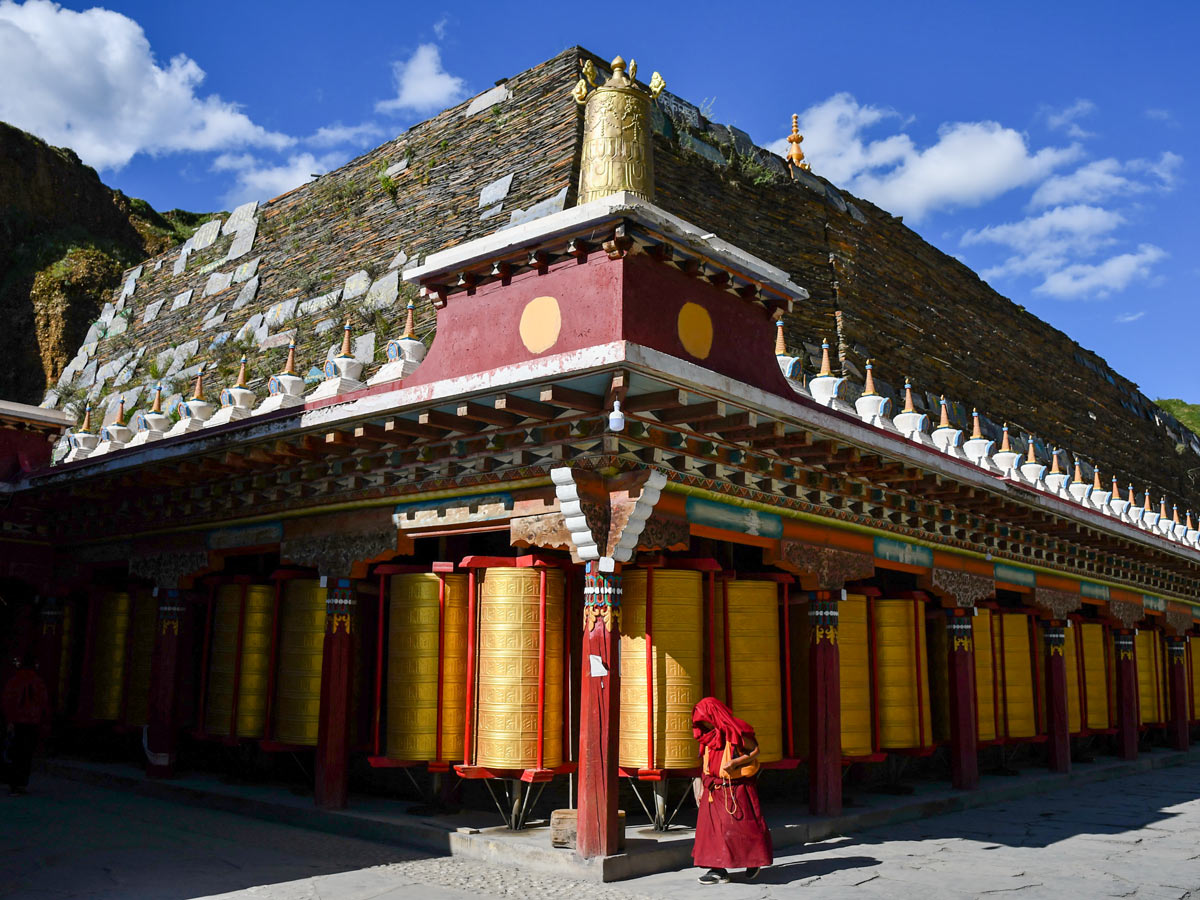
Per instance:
{"type": "Point", "coordinates": [121, 412]}
{"type": "Point", "coordinates": [1096, 480]}
{"type": "Point", "coordinates": [869, 385]}
{"type": "Point", "coordinates": [410, 328]}
{"type": "Point", "coordinates": [795, 156]}
{"type": "Point", "coordinates": [86, 427]}
{"type": "Point", "coordinates": [976, 430]}
{"type": "Point", "coordinates": [241, 379]}
{"type": "Point", "coordinates": [908, 397]}
{"type": "Point", "coordinates": [198, 393]}
{"type": "Point", "coordinates": [780, 343]}
{"type": "Point", "coordinates": [1132, 497]}
{"type": "Point", "coordinates": [1030, 451]}
{"type": "Point", "coordinates": [1005, 446]}
{"type": "Point", "coordinates": [347, 350]}
{"type": "Point", "coordinates": [617, 133]}
{"type": "Point", "coordinates": [1078, 479]}
{"type": "Point", "coordinates": [289, 367]}
{"type": "Point", "coordinates": [826, 368]}
{"type": "Point", "coordinates": [944, 422]}
{"type": "Point", "coordinates": [1146, 504]}
{"type": "Point", "coordinates": [1162, 507]}
{"type": "Point", "coordinates": [1054, 468]}
{"type": "Point", "coordinates": [157, 406]}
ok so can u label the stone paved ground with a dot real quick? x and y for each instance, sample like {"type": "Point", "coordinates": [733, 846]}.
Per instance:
{"type": "Point", "coordinates": [1134, 837]}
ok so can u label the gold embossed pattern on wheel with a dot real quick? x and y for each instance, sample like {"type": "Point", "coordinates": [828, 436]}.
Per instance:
{"type": "Point", "coordinates": [1019, 715]}
{"type": "Point", "coordinates": [1148, 653]}
{"type": "Point", "coordinates": [754, 662]}
{"type": "Point", "coordinates": [854, 675]}
{"type": "Point", "coordinates": [141, 646]}
{"type": "Point", "coordinates": [297, 708]}
{"type": "Point", "coordinates": [506, 735]}
{"type": "Point", "coordinates": [1095, 674]}
{"type": "Point", "coordinates": [983, 629]}
{"type": "Point", "coordinates": [108, 668]}
{"type": "Point", "coordinates": [677, 654]}
{"type": "Point", "coordinates": [412, 667]}
{"type": "Point", "coordinates": [901, 661]}
{"type": "Point", "coordinates": [256, 649]}
{"type": "Point", "coordinates": [65, 657]}
{"type": "Point", "coordinates": [1071, 666]}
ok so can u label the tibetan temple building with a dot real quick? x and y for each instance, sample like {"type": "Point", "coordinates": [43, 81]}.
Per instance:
{"type": "Point", "coordinates": [480, 460]}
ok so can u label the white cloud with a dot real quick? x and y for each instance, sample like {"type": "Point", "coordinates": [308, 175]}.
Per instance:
{"type": "Point", "coordinates": [1067, 119]}
{"type": "Point", "coordinates": [258, 180]}
{"type": "Point", "coordinates": [337, 134]}
{"type": "Point", "coordinates": [1101, 279]}
{"type": "Point", "coordinates": [422, 85]}
{"type": "Point", "coordinates": [1124, 318]}
{"type": "Point", "coordinates": [90, 80]}
{"type": "Point", "coordinates": [439, 27]}
{"type": "Point", "coordinates": [970, 164]}
{"type": "Point", "coordinates": [1047, 243]}
{"type": "Point", "coordinates": [1104, 179]}
{"type": "Point", "coordinates": [1160, 115]}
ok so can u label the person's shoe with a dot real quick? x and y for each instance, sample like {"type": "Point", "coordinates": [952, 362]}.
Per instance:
{"type": "Point", "coordinates": [714, 876]}
{"type": "Point", "coordinates": [751, 874]}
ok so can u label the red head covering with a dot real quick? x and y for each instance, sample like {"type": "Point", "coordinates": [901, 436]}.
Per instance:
{"type": "Point", "coordinates": [727, 728]}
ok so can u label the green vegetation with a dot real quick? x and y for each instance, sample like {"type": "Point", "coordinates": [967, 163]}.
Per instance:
{"type": "Point", "coordinates": [1188, 414]}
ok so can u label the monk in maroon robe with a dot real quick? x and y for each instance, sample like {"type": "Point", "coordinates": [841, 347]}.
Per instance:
{"type": "Point", "coordinates": [730, 831]}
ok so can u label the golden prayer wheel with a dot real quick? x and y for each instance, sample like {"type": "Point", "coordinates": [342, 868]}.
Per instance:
{"type": "Point", "coordinates": [427, 609]}
{"type": "Point", "coordinates": [1092, 642]}
{"type": "Point", "coordinates": [902, 678]}
{"type": "Point", "coordinates": [511, 653]}
{"type": "Point", "coordinates": [752, 619]}
{"type": "Point", "coordinates": [937, 638]}
{"type": "Point", "coordinates": [108, 655]}
{"type": "Point", "coordinates": [66, 655]}
{"type": "Point", "coordinates": [660, 713]}
{"type": "Point", "coordinates": [1015, 643]}
{"type": "Point", "coordinates": [141, 657]}
{"type": "Point", "coordinates": [297, 710]}
{"type": "Point", "coordinates": [854, 674]}
{"type": "Point", "coordinates": [223, 665]}
{"type": "Point", "coordinates": [987, 673]}
{"type": "Point", "coordinates": [1148, 654]}
{"type": "Point", "coordinates": [618, 148]}
{"type": "Point", "coordinates": [1193, 663]}
{"type": "Point", "coordinates": [1071, 665]}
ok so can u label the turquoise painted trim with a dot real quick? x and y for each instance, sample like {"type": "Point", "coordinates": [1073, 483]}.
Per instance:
{"type": "Point", "coordinates": [1155, 603]}
{"type": "Point", "coordinates": [903, 552]}
{"type": "Point", "coordinates": [245, 536]}
{"type": "Point", "coordinates": [1095, 591]}
{"type": "Point", "coordinates": [1013, 575]}
{"type": "Point", "coordinates": [455, 501]}
{"type": "Point", "coordinates": [734, 518]}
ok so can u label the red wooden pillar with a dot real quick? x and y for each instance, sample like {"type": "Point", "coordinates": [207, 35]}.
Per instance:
{"type": "Point", "coordinates": [964, 729]}
{"type": "Point", "coordinates": [1127, 695]}
{"type": "Point", "coordinates": [824, 707]}
{"type": "Point", "coordinates": [599, 709]}
{"type": "Point", "coordinates": [1177, 720]}
{"type": "Point", "coordinates": [162, 727]}
{"type": "Point", "coordinates": [49, 646]}
{"type": "Point", "coordinates": [1058, 725]}
{"type": "Point", "coordinates": [337, 678]}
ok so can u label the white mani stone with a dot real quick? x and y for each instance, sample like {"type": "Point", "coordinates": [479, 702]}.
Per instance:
{"type": "Point", "coordinates": [151, 312]}
{"type": "Point", "coordinates": [129, 287]}
{"type": "Point", "coordinates": [158, 265]}
{"type": "Point", "coordinates": [316, 304]}
{"type": "Point", "coordinates": [400, 259]}
{"type": "Point", "coordinates": [107, 312]}
{"type": "Point", "coordinates": [217, 282]}
{"type": "Point", "coordinates": [206, 234]}
{"type": "Point", "coordinates": [247, 294]}
{"type": "Point", "coordinates": [243, 242]}
{"type": "Point", "coordinates": [137, 272]}
{"type": "Point", "coordinates": [495, 192]}
{"type": "Point", "coordinates": [119, 325]}
{"type": "Point", "coordinates": [384, 291]}
{"type": "Point", "coordinates": [396, 168]}
{"type": "Point", "coordinates": [221, 338]}
{"type": "Point", "coordinates": [213, 322]}
{"type": "Point", "coordinates": [356, 285]}
{"type": "Point", "coordinates": [323, 326]}
{"type": "Point", "coordinates": [181, 300]}
{"type": "Point", "coordinates": [364, 347]}
{"type": "Point", "coordinates": [252, 325]}
{"type": "Point", "coordinates": [491, 212]}
{"type": "Point", "coordinates": [164, 359]}
{"type": "Point", "coordinates": [88, 376]}
{"type": "Point", "coordinates": [246, 270]}
{"type": "Point", "coordinates": [240, 217]}
{"type": "Point", "coordinates": [212, 312]}
{"type": "Point", "coordinates": [543, 208]}
{"type": "Point", "coordinates": [181, 263]}
{"type": "Point", "coordinates": [488, 99]}
{"type": "Point", "coordinates": [280, 313]}
{"type": "Point", "coordinates": [278, 340]}
{"type": "Point", "coordinates": [89, 349]}
{"type": "Point", "coordinates": [95, 332]}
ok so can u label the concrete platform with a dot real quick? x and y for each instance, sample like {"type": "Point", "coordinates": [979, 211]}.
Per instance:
{"type": "Point", "coordinates": [473, 834]}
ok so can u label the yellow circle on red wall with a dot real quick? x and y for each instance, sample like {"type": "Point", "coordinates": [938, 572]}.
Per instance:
{"type": "Point", "coordinates": [695, 330]}
{"type": "Point", "coordinates": [541, 321]}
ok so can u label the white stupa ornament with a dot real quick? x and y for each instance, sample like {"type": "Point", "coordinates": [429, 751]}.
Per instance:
{"type": "Point", "coordinates": [1116, 505]}
{"type": "Point", "coordinates": [1099, 497]}
{"type": "Point", "coordinates": [404, 353]}
{"type": "Point", "coordinates": [1191, 534]}
{"type": "Point", "coordinates": [193, 413]}
{"type": "Point", "coordinates": [872, 407]}
{"type": "Point", "coordinates": [237, 402]}
{"type": "Point", "coordinates": [116, 435]}
{"type": "Point", "coordinates": [1149, 516]}
{"type": "Point", "coordinates": [150, 425]}
{"type": "Point", "coordinates": [910, 423]}
{"type": "Point", "coordinates": [1133, 512]}
{"type": "Point", "coordinates": [83, 440]}
{"type": "Point", "coordinates": [1032, 470]}
{"type": "Point", "coordinates": [978, 448]}
{"type": "Point", "coordinates": [824, 385]}
{"type": "Point", "coordinates": [946, 437]}
{"type": "Point", "coordinates": [284, 389]}
{"type": "Point", "coordinates": [1079, 489]}
{"type": "Point", "coordinates": [1056, 478]}
{"type": "Point", "coordinates": [1006, 458]}
{"type": "Point", "coordinates": [342, 373]}
{"type": "Point", "coordinates": [792, 367]}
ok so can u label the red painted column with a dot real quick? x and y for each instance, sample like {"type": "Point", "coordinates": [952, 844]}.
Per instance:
{"type": "Point", "coordinates": [599, 714]}
{"type": "Point", "coordinates": [1177, 720]}
{"type": "Point", "coordinates": [824, 707]}
{"type": "Point", "coordinates": [337, 678]}
{"type": "Point", "coordinates": [1058, 725]}
{"type": "Point", "coordinates": [49, 646]}
{"type": "Point", "coordinates": [162, 731]}
{"type": "Point", "coordinates": [1127, 695]}
{"type": "Point", "coordinates": [964, 729]}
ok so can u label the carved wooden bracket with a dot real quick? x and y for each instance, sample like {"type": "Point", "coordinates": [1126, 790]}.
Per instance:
{"type": "Point", "coordinates": [1179, 621]}
{"type": "Point", "coordinates": [338, 555]}
{"type": "Point", "coordinates": [606, 517]}
{"type": "Point", "coordinates": [547, 531]}
{"type": "Point", "coordinates": [169, 570]}
{"type": "Point", "coordinates": [966, 588]}
{"type": "Point", "coordinates": [1057, 603]}
{"type": "Point", "coordinates": [1126, 612]}
{"type": "Point", "coordinates": [821, 568]}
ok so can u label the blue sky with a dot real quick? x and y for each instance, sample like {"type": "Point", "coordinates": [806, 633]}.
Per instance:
{"type": "Point", "coordinates": [1047, 145]}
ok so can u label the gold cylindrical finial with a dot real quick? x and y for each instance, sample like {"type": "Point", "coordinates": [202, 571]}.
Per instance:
{"type": "Point", "coordinates": [976, 431]}
{"type": "Point", "coordinates": [618, 148]}
{"type": "Point", "coordinates": [346, 350]}
{"type": "Point", "coordinates": [1132, 496]}
{"type": "Point", "coordinates": [1096, 480]}
{"type": "Point", "coordinates": [1054, 468]}
{"type": "Point", "coordinates": [869, 386]}
{"type": "Point", "coordinates": [157, 407]}
{"type": "Point", "coordinates": [289, 367]}
{"type": "Point", "coordinates": [826, 369]}
{"type": "Point", "coordinates": [1175, 513]}
{"type": "Point", "coordinates": [795, 155]}
{"type": "Point", "coordinates": [241, 379]}
{"type": "Point", "coordinates": [198, 393]}
{"type": "Point", "coordinates": [1116, 489]}
{"type": "Point", "coordinates": [87, 419]}
{"type": "Point", "coordinates": [121, 412]}
{"type": "Point", "coordinates": [1078, 479]}
{"type": "Point", "coordinates": [1146, 504]}
{"type": "Point", "coordinates": [1030, 451]}
{"type": "Point", "coordinates": [410, 328]}
{"type": "Point", "coordinates": [944, 422]}
{"type": "Point", "coordinates": [1162, 507]}
{"type": "Point", "coordinates": [780, 344]}
{"type": "Point", "coordinates": [908, 397]}
{"type": "Point", "coordinates": [1005, 445]}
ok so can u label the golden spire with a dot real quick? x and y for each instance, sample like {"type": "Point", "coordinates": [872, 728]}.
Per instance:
{"type": "Point", "coordinates": [1162, 507]}
{"type": "Point", "coordinates": [869, 387]}
{"type": "Point", "coordinates": [908, 397]}
{"type": "Point", "coordinates": [157, 407]}
{"type": "Point", "coordinates": [198, 393]}
{"type": "Point", "coordinates": [1146, 504]}
{"type": "Point", "coordinates": [410, 328]}
{"type": "Point", "coordinates": [1116, 489]}
{"type": "Point", "coordinates": [346, 350]}
{"type": "Point", "coordinates": [1096, 479]}
{"type": "Point", "coordinates": [1030, 451]}
{"type": "Point", "coordinates": [1054, 469]}
{"type": "Point", "coordinates": [780, 344]}
{"type": "Point", "coordinates": [289, 367]}
{"type": "Point", "coordinates": [1175, 513]}
{"type": "Point", "coordinates": [86, 427]}
{"type": "Point", "coordinates": [1132, 496]}
{"type": "Point", "coordinates": [945, 420]}
{"type": "Point", "coordinates": [1005, 446]}
{"type": "Point", "coordinates": [794, 154]}
{"type": "Point", "coordinates": [976, 431]}
{"type": "Point", "coordinates": [826, 369]}
{"type": "Point", "coordinates": [1190, 527]}
{"type": "Point", "coordinates": [241, 381]}
{"type": "Point", "coordinates": [121, 412]}
{"type": "Point", "coordinates": [1078, 479]}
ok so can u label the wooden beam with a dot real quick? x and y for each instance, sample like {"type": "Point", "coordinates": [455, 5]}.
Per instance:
{"type": "Point", "coordinates": [693, 413]}
{"type": "Point", "coordinates": [477, 412]}
{"type": "Point", "coordinates": [306, 448]}
{"type": "Point", "coordinates": [528, 409]}
{"type": "Point", "coordinates": [655, 401]}
{"type": "Point", "coordinates": [569, 398]}
{"type": "Point", "coordinates": [439, 419]}
{"type": "Point", "coordinates": [412, 429]}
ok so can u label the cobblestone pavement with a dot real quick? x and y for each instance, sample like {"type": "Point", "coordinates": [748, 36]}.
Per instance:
{"type": "Point", "coordinates": [1133, 837]}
